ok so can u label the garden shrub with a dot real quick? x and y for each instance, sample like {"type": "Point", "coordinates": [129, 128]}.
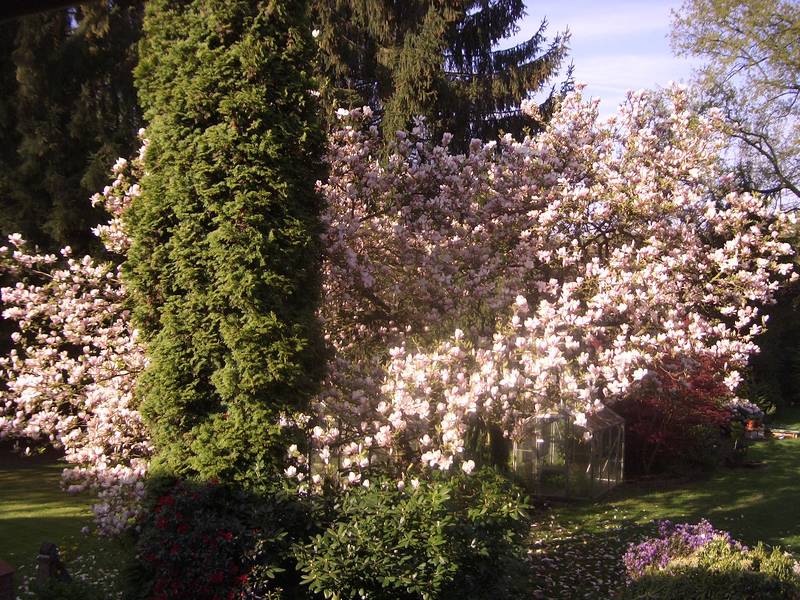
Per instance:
{"type": "Point", "coordinates": [685, 582]}
{"type": "Point", "coordinates": [206, 541]}
{"type": "Point", "coordinates": [679, 419]}
{"type": "Point", "coordinates": [697, 561]}
{"type": "Point", "coordinates": [458, 536]}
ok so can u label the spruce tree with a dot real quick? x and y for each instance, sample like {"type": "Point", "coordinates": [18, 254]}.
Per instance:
{"type": "Point", "coordinates": [75, 111]}
{"type": "Point", "coordinates": [438, 60]}
{"type": "Point", "coordinates": [224, 265]}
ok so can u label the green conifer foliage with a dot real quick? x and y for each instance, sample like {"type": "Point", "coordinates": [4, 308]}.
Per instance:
{"type": "Point", "coordinates": [8, 147]}
{"type": "Point", "coordinates": [225, 261]}
{"type": "Point", "coordinates": [435, 59]}
{"type": "Point", "coordinates": [8, 120]}
{"type": "Point", "coordinates": [74, 112]}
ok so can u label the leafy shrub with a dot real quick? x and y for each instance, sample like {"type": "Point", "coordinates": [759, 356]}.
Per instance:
{"type": "Point", "coordinates": [697, 561]}
{"type": "Point", "coordinates": [211, 541]}
{"type": "Point", "coordinates": [764, 393]}
{"type": "Point", "coordinates": [446, 538]}
{"type": "Point", "coordinates": [685, 582]}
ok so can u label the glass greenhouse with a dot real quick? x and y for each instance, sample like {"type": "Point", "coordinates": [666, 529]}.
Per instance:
{"type": "Point", "coordinates": [555, 457]}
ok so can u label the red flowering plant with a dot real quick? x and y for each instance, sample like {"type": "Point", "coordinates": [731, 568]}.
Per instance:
{"type": "Point", "coordinates": [215, 542]}
{"type": "Point", "coordinates": [678, 415]}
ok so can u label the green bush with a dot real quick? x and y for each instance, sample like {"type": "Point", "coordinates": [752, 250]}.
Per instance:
{"type": "Point", "coordinates": [708, 446]}
{"type": "Point", "coordinates": [458, 536]}
{"type": "Point", "coordinates": [721, 571]}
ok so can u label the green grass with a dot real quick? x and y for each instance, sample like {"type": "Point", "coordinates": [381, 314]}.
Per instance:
{"type": "Point", "coordinates": [34, 509]}
{"type": "Point", "coordinates": [576, 548]}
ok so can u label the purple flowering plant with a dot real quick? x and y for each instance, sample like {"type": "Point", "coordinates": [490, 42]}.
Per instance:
{"type": "Point", "coordinates": [674, 541]}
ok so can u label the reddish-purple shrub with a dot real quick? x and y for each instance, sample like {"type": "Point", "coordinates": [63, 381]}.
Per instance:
{"type": "Point", "coordinates": [673, 417]}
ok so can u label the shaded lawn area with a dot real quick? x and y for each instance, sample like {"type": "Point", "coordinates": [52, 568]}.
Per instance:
{"type": "Point", "coordinates": [576, 548]}
{"type": "Point", "coordinates": [34, 509]}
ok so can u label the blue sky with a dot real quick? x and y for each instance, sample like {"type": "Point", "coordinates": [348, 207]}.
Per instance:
{"type": "Point", "coordinates": [616, 45]}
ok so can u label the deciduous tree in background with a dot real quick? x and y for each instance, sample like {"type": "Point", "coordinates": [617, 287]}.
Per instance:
{"type": "Point", "coordinates": [752, 71]}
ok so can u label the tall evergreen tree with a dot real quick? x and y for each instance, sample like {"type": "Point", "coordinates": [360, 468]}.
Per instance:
{"type": "Point", "coordinates": [75, 112]}
{"type": "Point", "coordinates": [436, 59]}
{"type": "Point", "coordinates": [8, 148]}
{"type": "Point", "coordinates": [8, 118]}
{"type": "Point", "coordinates": [224, 265]}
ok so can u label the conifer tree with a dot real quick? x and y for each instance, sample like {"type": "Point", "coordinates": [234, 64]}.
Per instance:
{"type": "Point", "coordinates": [8, 147]}
{"type": "Point", "coordinates": [224, 264]}
{"type": "Point", "coordinates": [8, 120]}
{"type": "Point", "coordinates": [75, 111]}
{"type": "Point", "coordinates": [438, 60]}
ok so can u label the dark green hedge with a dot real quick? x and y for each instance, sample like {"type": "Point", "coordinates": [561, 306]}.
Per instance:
{"type": "Point", "coordinates": [225, 260]}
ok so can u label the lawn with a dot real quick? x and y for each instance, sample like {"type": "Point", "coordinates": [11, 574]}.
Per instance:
{"type": "Point", "coordinates": [576, 547]}
{"type": "Point", "coordinates": [34, 509]}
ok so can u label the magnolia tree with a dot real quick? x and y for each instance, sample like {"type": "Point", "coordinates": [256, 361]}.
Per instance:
{"type": "Point", "coordinates": [69, 378]}
{"type": "Point", "coordinates": [554, 274]}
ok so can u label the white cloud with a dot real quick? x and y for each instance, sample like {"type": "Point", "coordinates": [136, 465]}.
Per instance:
{"type": "Point", "coordinates": [603, 22]}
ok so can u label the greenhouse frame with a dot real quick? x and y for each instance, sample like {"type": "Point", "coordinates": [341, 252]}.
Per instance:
{"type": "Point", "coordinates": [555, 457]}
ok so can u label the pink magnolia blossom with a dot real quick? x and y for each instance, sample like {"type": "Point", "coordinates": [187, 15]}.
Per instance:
{"type": "Point", "coordinates": [527, 277]}
{"type": "Point", "coordinates": [519, 279]}
{"type": "Point", "coordinates": [70, 376]}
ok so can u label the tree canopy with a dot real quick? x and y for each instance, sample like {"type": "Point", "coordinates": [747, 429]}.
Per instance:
{"type": "Point", "coordinates": [752, 71]}
{"type": "Point", "coordinates": [440, 60]}
{"type": "Point", "coordinates": [68, 111]}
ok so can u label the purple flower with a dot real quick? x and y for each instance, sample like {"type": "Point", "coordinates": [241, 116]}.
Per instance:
{"type": "Point", "coordinates": [673, 541]}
